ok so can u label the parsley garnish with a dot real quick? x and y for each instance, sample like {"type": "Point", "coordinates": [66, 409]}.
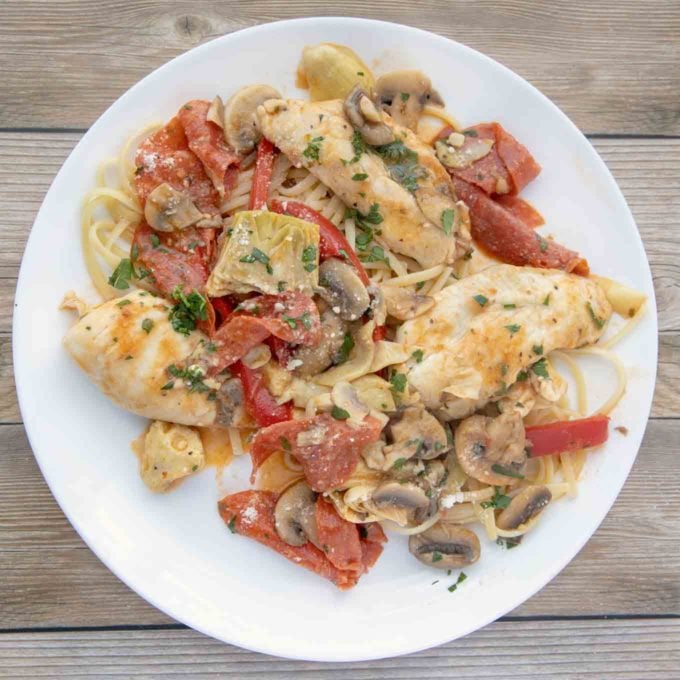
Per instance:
{"type": "Point", "coordinates": [481, 300]}
{"type": "Point", "coordinates": [293, 321]}
{"type": "Point", "coordinates": [339, 413]}
{"type": "Point", "coordinates": [540, 368]}
{"type": "Point", "coordinates": [522, 376]}
{"type": "Point", "coordinates": [404, 96]}
{"type": "Point", "coordinates": [120, 278]}
{"type": "Point", "coordinates": [134, 252]}
{"type": "Point", "coordinates": [313, 149]}
{"type": "Point", "coordinates": [461, 577]}
{"type": "Point", "coordinates": [188, 310]}
{"type": "Point", "coordinates": [418, 355]}
{"type": "Point", "coordinates": [542, 243]}
{"type": "Point", "coordinates": [359, 176]}
{"type": "Point", "coordinates": [437, 556]}
{"type": "Point", "coordinates": [147, 325]}
{"type": "Point", "coordinates": [508, 472]}
{"type": "Point", "coordinates": [256, 255]}
{"type": "Point", "coordinates": [537, 349]}
{"type": "Point", "coordinates": [448, 217]}
{"type": "Point", "coordinates": [377, 254]}
{"type": "Point", "coordinates": [499, 500]}
{"type": "Point", "coordinates": [232, 524]}
{"type": "Point", "coordinates": [309, 258]}
{"type": "Point", "coordinates": [122, 303]}
{"type": "Point", "coordinates": [358, 146]}
{"type": "Point", "coordinates": [598, 321]}
{"type": "Point", "coordinates": [420, 285]}
{"type": "Point", "coordinates": [398, 382]}
{"type": "Point", "coordinates": [513, 328]}
{"type": "Point", "coordinates": [155, 241]}
{"type": "Point", "coordinates": [509, 306]}
{"type": "Point", "coordinates": [399, 463]}
{"type": "Point", "coordinates": [471, 133]}
{"type": "Point", "coordinates": [281, 286]}
{"type": "Point", "coordinates": [343, 353]}
{"type": "Point", "coordinates": [546, 302]}
{"type": "Point", "coordinates": [193, 376]}
{"type": "Point", "coordinates": [509, 543]}
{"type": "Point", "coordinates": [285, 444]}
{"type": "Point", "coordinates": [402, 164]}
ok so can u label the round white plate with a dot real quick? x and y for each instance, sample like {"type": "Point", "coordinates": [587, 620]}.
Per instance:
{"type": "Point", "coordinates": [174, 550]}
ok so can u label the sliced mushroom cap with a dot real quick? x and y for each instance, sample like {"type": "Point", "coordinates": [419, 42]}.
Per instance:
{"type": "Point", "coordinates": [404, 304]}
{"type": "Point", "coordinates": [230, 404]}
{"type": "Point", "coordinates": [524, 506]}
{"type": "Point", "coordinates": [402, 503]}
{"type": "Point", "coordinates": [445, 546]}
{"type": "Point", "coordinates": [416, 426]}
{"type": "Point", "coordinates": [465, 156]}
{"type": "Point", "coordinates": [240, 121]}
{"type": "Point", "coordinates": [318, 358]}
{"type": "Point", "coordinates": [167, 209]}
{"type": "Point", "coordinates": [344, 396]}
{"type": "Point", "coordinates": [404, 94]}
{"type": "Point", "coordinates": [492, 449]}
{"type": "Point", "coordinates": [295, 514]}
{"type": "Point", "coordinates": [366, 118]}
{"type": "Point", "coordinates": [216, 112]}
{"type": "Point", "coordinates": [342, 288]}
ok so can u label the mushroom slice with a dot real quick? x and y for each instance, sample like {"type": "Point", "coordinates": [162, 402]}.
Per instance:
{"type": "Point", "coordinates": [230, 404]}
{"type": "Point", "coordinates": [294, 515]}
{"type": "Point", "coordinates": [317, 358]}
{"type": "Point", "coordinates": [342, 288]}
{"type": "Point", "coordinates": [445, 546]}
{"type": "Point", "coordinates": [415, 426]}
{"type": "Point", "coordinates": [216, 112]}
{"type": "Point", "coordinates": [523, 507]}
{"type": "Point", "coordinates": [345, 397]}
{"type": "Point", "coordinates": [404, 94]}
{"type": "Point", "coordinates": [401, 503]}
{"type": "Point", "coordinates": [492, 449]}
{"type": "Point", "coordinates": [464, 157]}
{"type": "Point", "coordinates": [167, 209]}
{"type": "Point", "coordinates": [404, 304]}
{"type": "Point", "coordinates": [366, 118]}
{"type": "Point", "coordinates": [240, 122]}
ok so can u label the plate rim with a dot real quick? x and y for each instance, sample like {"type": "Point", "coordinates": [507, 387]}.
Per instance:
{"type": "Point", "coordinates": [22, 388]}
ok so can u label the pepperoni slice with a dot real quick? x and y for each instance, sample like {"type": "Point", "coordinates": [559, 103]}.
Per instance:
{"type": "Point", "coordinates": [521, 209]}
{"type": "Point", "coordinates": [179, 258]}
{"type": "Point", "coordinates": [251, 513]}
{"type": "Point", "coordinates": [338, 538]}
{"type": "Point", "coordinates": [499, 232]}
{"type": "Point", "coordinates": [521, 165]}
{"type": "Point", "coordinates": [372, 537]}
{"type": "Point", "coordinates": [291, 316]}
{"type": "Point", "coordinates": [206, 140]}
{"type": "Point", "coordinates": [327, 449]}
{"type": "Point", "coordinates": [165, 158]}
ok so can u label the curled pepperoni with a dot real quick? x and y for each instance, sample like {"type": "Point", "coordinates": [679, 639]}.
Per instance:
{"type": "Point", "coordinates": [521, 165]}
{"type": "Point", "coordinates": [338, 538]}
{"type": "Point", "coordinates": [206, 140]}
{"type": "Point", "coordinates": [521, 210]}
{"type": "Point", "coordinates": [328, 449]}
{"type": "Point", "coordinates": [164, 157]}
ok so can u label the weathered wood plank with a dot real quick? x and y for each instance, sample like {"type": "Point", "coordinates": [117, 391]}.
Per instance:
{"type": "Point", "coordinates": [528, 649]}
{"type": "Point", "coordinates": [612, 66]}
{"type": "Point", "coordinates": [49, 577]}
{"type": "Point", "coordinates": [646, 169]}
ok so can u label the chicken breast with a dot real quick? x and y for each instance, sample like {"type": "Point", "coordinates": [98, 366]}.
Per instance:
{"type": "Point", "coordinates": [125, 346]}
{"type": "Point", "coordinates": [406, 229]}
{"type": "Point", "coordinates": [493, 327]}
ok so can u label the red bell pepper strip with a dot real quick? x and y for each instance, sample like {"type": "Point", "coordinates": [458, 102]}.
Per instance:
{"type": "Point", "coordinates": [379, 333]}
{"type": "Point", "coordinates": [332, 243]}
{"type": "Point", "coordinates": [262, 177]}
{"type": "Point", "coordinates": [260, 404]}
{"type": "Point", "coordinates": [567, 435]}
{"type": "Point", "coordinates": [223, 308]}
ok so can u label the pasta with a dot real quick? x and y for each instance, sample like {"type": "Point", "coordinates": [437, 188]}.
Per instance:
{"type": "Point", "coordinates": [307, 276]}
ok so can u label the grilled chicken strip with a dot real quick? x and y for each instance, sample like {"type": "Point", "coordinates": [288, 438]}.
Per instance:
{"type": "Point", "coordinates": [318, 136]}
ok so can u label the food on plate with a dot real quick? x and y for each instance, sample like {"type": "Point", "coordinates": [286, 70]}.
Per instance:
{"type": "Point", "coordinates": [363, 306]}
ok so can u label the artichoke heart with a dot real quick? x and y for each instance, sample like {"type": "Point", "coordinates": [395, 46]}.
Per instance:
{"type": "Point", "coordinates": [331, 71]}
{"type": "Point", "coordinates": [268, 253]}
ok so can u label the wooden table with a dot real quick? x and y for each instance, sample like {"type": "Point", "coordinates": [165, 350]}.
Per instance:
{"type": "Point", "coordinates": [614, 68]}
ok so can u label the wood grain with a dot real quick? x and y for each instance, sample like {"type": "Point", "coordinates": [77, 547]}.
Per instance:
{"type": "Point", "coordinates": [612, 66]}
{"type": "Point", "coordinates": [606, 650]}
{"type": "Point", "coordinates": [49, 577]}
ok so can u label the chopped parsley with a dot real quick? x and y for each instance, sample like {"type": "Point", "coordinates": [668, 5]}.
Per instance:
{"type": "Point", "coordinates": [293, 321]}
{"type": "Point", "coordinates": [342, 354]}
{"type": "Point", "coordinates": [499, 500]}
{"type": "Point", "coordinates": [134, 252]}
{"type": "Point", "coordinates": [398, 382]}
{"type": "Point", "coordinates": [513, 328]}
{"type": "Point", "coordinates": [285, 444]}
{"type": "Point", "coordinates": [188, 311]}
{"type": "Point", "coordinates": [509, 543]}
{"type": "Point", "coordinates": [147, 325]}
{"type": "Point", "coordinates": [309, 258]}
{"type": "Point", "coordinates": [168, 385]}
{"type": "Point", "coordinates": [120, 278]}
{"type": "Point", "coordinates": [420, 285]}
{"type": "Point", "coordinates": [313, 149]}
{"type": "Point", "coordinates": [359, 176]}
{"type": "Point", "coordinates": [256, 255]}
{"type": "Point", "coordinates": [447, 218]}
{"type": "Point", "coordinates": [509, 306]}
{"type": "Point", "coordinates": [471, 133]}
{"type": "Point", "coordinates": [192, 376]}
{"type": "Point", "coordinates": [454, 586]}
{"type": "Point", "coordinates": [508, 472]}
{"type": "Point", "coordinates": [437, 556]}
{"type": "Point", "coordinates": [598, 321]}
{"type": "Point", "coordinates": [402, 164]}
{"type": "Point", "coordinates": [546, 301]}
{"type": "Point", "coordinates": [399, 463]}
{"type": "Point", "coordinates": [122, 303]}
{"type": "Point", "coordinates": [540, 368]}
{"type": "Point", "coordinates": [418, 355]}
{"type": "Point", "coordinates": [155, 241]}
{"type": "Point", "coordinates": [281, 286]}
{"type": "Point", "coordinates": [232, 524]}
{"type": "Point", "coordinates": [481, 300]}
{"type": "Point", "coordinates": [405, 96]}
{"type": "Point", "coordinates": [339, 413]}
{"type": "Point", "coordinates": [522, 376]}
{"type": "Point", "coordinates": [537, 349]}
{"type": "Point", "coordinates": [542, 243]}
{"type": "Point", "coordinates": [358, 146]}
{"type": "Point", "coordinates": [377, 254]}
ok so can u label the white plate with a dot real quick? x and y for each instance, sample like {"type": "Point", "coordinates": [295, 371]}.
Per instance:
{"type": "Point", "coordinates": [174, 550]}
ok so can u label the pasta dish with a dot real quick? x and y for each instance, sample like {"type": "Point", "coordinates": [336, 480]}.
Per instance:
{"type": "Point", "coordinates": [349, 289]}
